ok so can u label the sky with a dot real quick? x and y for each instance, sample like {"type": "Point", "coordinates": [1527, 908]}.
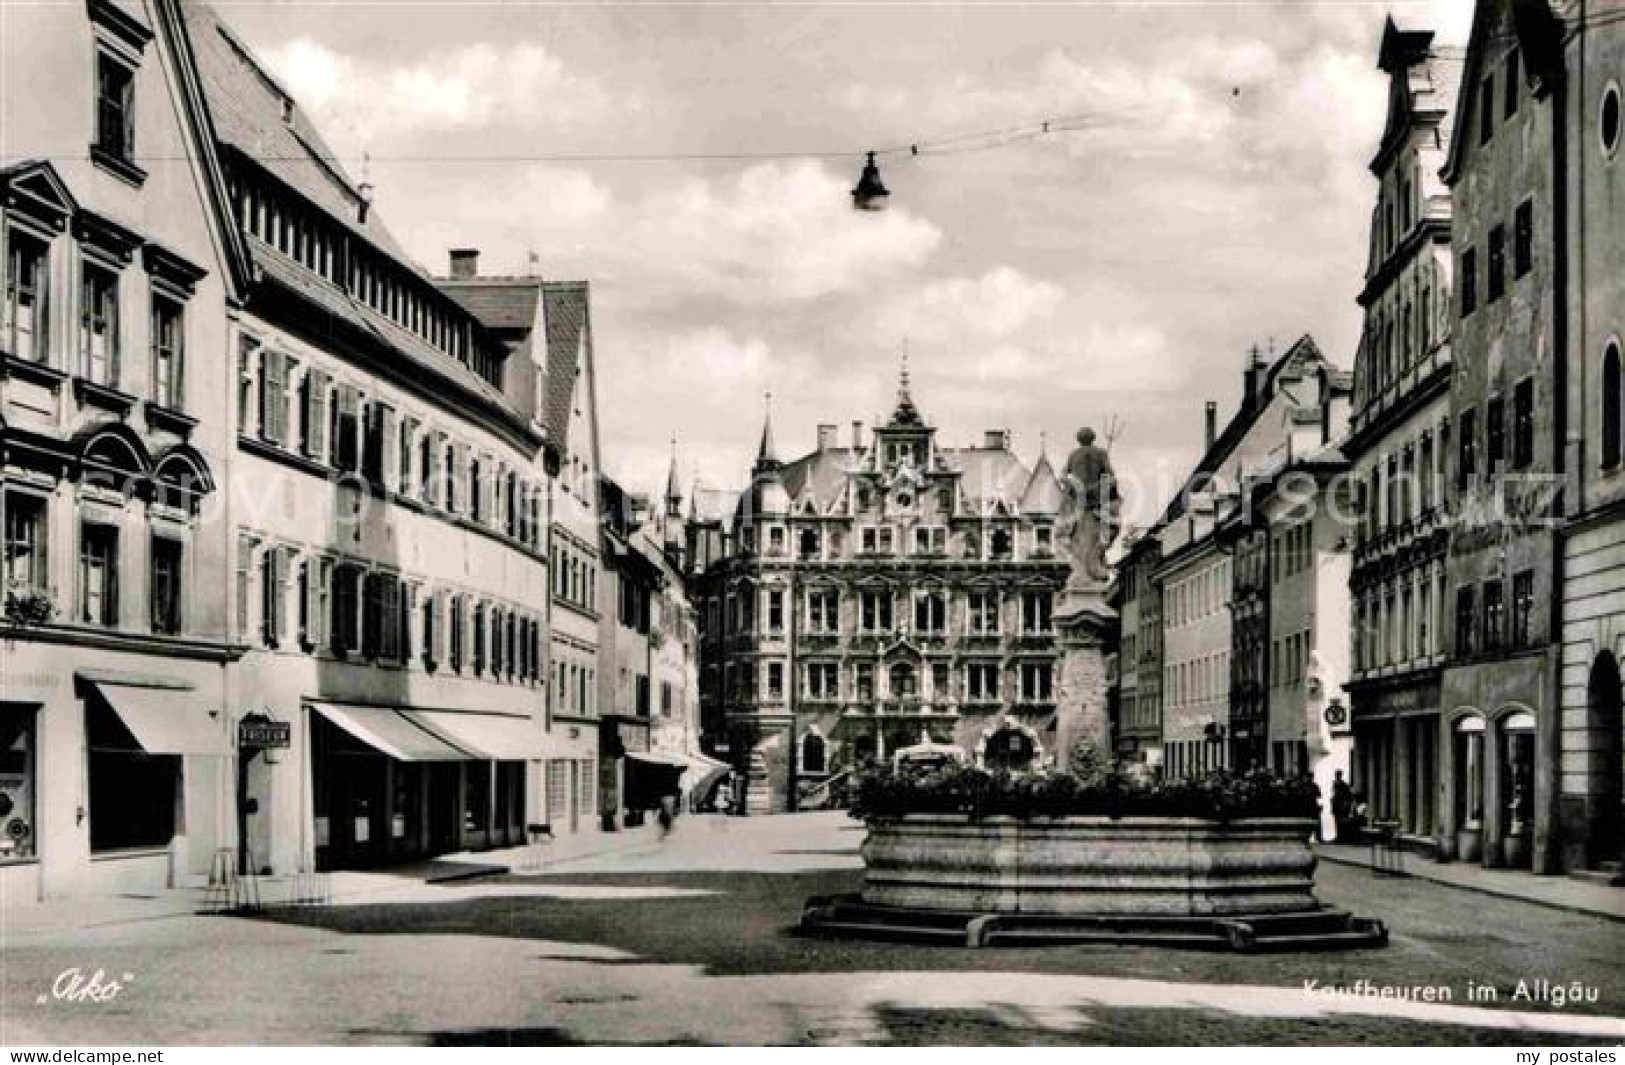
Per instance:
{"type": "Point", "coordinates": [1203, 188]}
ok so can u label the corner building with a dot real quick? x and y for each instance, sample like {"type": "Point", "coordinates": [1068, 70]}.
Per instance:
{"type": "Point", "coordinates": [872, 596]}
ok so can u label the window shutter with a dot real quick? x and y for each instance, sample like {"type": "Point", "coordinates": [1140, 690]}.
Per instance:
{"type": "Point", "coordinates": [273, 401]}
{"type": "Point", "coordinates": [245, 562]}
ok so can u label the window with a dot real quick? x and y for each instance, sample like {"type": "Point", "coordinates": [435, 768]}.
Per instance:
{"type": "Point", "coordinates": [18, 828]}
{"type": "Point", "coordinates": [346, 609]}
{"type": "Point", "coordinates": [903, 681]}
{"type": "Point", "coordinates": [1002, 544]}
{"type": "Point", "coordinates": [1486, 109]}
{"type": "Point", "coordinates": [274, 397]}
{"type": "Point", "coordinates": [98, 326]}
{"type": "Point", "coordinates": [25, 559]}
{"type": "Point", "coordinates": [930, 612]}
{"type": "Point", "coordinates": [1467, 431]}
{"type": "Point", "coordinates": [1523, 606]}
{"type": "Point", "coordinates": [775, 611]}
{"type": "Point", "coordinates": [775, 680]}
{"type": "Point", "coordinates": [1043, 539]}
{"type": "Point", "coordinates": [27, 281]}
{"type": "Point", "coordinates": [1512, 84]}
{"type": "Point", "coordinates": [168, 332]}
{"type": "Point", "coordinates": [823, 610]}
{"type": "Point", "coordinates": [1523, 238]}
{"type": "Point", "coordinates": [983, 608]}
{"type": "Point", "coordinates": [1523, 424]}
{"type": "Point", "coordinates": [1608, 120]}
{"type": "Point", "coordinates": [1466, 622]}
{"type": "Point", "coordinates": [863, 680]}
{"type": "Point", "coordinates": [1496, 282]}
{"type": "Point", "coordinates": [98, 574]}
{"type": "Point", "coordinates": [821, 680]}
{"type": "Point", "coordinates": [1494, 616]}
{"type": "Point", "coordinates": [1035, 612]}
{"type": "Point", "coordinates": [1494, 435]}
{"type": "Point", "coordinates": [1613, 398]}
{"type": "Point", "coordinates": [930, 540]}
{"type": "Point", "coordinates": [115, 108]}
{"type": "Point", "coordinates": [982, 682]}
{"type": "Point", "coordinates": [166, 585]}
{"type": "Point", "coordinates": [875, 609]}
{"type": "Point", "coordinates": [1036, 682]}
{"type": "Point", "coordinates": [132, 791]}
{"type": "Point", "coordinates": [273, 594]}
{"type": "Point", "coordinates": [1469, 281]}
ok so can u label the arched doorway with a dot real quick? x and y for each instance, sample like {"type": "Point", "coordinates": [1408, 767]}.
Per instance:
{"type": "Point", "coordinates": [1010, 749]}
{"type": "Point", "coordinates": [1605, 728]}
{"type": "Point", "coordinates": [1516, 777]}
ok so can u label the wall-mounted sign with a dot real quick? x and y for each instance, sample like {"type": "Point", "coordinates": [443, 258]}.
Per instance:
{"type": "Point", "coordinates": [266, 735]}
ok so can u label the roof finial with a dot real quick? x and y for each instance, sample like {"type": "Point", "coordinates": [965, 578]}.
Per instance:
{"type": "Point", "coordinates": [906, 413]}
{"type": "Point", "coordinates": [674, 493]}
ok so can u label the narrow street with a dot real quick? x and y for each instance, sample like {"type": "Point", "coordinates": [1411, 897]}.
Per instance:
{"type": "Point", "coordinates": [690, 939]}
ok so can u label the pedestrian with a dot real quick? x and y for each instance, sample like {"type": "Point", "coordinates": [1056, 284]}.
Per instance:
{"type": "Point", "coordinates": [1342, 807]}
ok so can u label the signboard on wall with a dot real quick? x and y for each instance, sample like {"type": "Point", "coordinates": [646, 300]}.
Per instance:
{"type": "Point", "coordinates": [264, 734]}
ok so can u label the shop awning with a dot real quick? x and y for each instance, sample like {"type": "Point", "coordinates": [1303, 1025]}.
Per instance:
{"type": "Point", "coordinates": [654, 758]}
{"type": "Point", "coordinates": [166, 720]}
{"type": "Point", "coordinates": [495, 736]}
{"type": "Point", "coordinates": [393, 733]}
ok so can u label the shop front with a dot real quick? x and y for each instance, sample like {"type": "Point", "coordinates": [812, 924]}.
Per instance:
{"type": "Point", "coordinates": [1498, 810]}
{"type": "Point", "coordinates": [1395, 763]}
{"type": "Point", "coordinates": [111, 781]}
{"type": "Point", "coordinates": [391, 785]}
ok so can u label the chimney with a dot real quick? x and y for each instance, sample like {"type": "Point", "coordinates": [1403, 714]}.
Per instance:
{"type": "Point", "coordinates": [857, 435]}
{"type": "Point", "coordinates": [465, 263]}
{"type": "Point", "coordinates": [826, 436]}
{"type": "Point", "coordinates": [994, 439]}
{"type": "Point", "coordinates": [1212, 429]}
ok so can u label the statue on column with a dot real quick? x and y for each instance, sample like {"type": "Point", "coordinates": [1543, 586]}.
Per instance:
{"type": "Point", "coordinates": [1089, 519]}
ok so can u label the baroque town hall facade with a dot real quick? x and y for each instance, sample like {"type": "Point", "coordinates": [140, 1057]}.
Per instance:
{"type": "Point", "coordinates": [866, 598]}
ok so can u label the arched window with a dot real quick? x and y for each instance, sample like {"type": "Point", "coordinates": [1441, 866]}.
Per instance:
{"type": "Point", "coordinates": [813, 753]}
{"type": "Point", "coordinates": [1611, 402]}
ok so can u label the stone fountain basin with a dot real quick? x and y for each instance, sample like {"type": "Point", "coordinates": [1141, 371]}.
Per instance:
{"type": "Point", "coordinates": [1090, 866]}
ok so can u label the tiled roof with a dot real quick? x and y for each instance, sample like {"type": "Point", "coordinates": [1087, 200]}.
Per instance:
{"type": "Point", "coordinates": [823, 473]}
{"type": "Point", "coordinates": [565, 307]}
{"type": "Point", "coordinates": [499, 303]}
{"type": "Point", "coordinates": [988, 474]}
{"type": "Point", "coordinates": [247, 107]}
{"type": "Point", "coordinates": [1043, 492]}
{"type": "Point", "coordinates": [712, 504]}
{"type": "Point", "coordinates": [313, 287]}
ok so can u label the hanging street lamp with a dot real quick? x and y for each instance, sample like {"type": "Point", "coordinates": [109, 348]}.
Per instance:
{"type": "Point", "coordinates": [870, 194]}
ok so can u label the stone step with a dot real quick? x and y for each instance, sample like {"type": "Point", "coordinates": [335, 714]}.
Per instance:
{"type": "Point", "coordinates": [1601, 875]}
{"type": "Point", "coordinates": [1141, 937]}
{"type": "Point", "coordinates": [1352, 939]}
{"type": "Point", "coordinates": [886, 931]}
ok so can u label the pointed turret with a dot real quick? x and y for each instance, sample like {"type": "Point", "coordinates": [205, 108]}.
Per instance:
{"type": "Point", "coordinates": [767, 456]}
{"type": "Point", "coordinates": [674, 493]}
{"type": "Point", "coordinates": [906, 413]}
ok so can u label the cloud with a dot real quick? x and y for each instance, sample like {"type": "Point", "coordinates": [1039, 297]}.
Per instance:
{"type": "Point", "coordinates": [771, 232]}
{"type": "Point", "coordinates": [471, 87]}
{"type": "Point", "coordinates": [999, 303]}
